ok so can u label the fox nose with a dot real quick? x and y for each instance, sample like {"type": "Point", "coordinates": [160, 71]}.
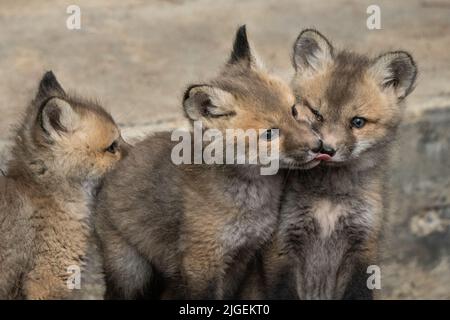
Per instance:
{"type": "Point", "coordinates": [318, 147]}
{"type": "Point", "coordinates": [328, 150]}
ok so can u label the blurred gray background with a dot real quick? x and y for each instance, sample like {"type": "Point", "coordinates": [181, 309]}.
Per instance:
{"type": "Point", "coordinates": [137, 57]}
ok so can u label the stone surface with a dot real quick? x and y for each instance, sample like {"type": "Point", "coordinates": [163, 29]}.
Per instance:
{"type": "Point", "coordinates": [138, 56]}
{"type": "Point", "coordinates": [416, 248]}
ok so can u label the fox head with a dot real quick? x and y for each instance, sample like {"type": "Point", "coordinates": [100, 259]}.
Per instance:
{"type": "Point", "coordinates": [354, 102]}
{"type": "Point", "coordinates": [65, 136]}
{"type": "Point", "coordinates": [245, 96]}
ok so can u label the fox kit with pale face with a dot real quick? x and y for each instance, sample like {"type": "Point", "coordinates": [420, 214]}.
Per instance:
{"type": "Point", "coordinates": [331, 215]}
{"type": "Point", "coordinates": [188, 231]}
{"type": "Point", "coordinates": [62, 149]}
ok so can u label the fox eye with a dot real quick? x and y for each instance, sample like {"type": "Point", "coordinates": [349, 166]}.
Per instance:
{"type": "Point", "coordinates": [112, 148]}
{"type": "Point", "coordinates": [270, 134]}
{"type": "Point", "coordinates": [358, 122]}
{"type": "Point", "coordinates": [318, 116]}
{"type": "Point", "coordinates": [315, 112]}
{"type": "Point", "coordinates": [294, 111]}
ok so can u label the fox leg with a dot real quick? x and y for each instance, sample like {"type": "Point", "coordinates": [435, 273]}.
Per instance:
{"type": "Point", "coordinates": [357, 288]}
{"type": "Point", "coordinates": [202, 274]}
{"type": "Point", "coordinates": [128, 274]}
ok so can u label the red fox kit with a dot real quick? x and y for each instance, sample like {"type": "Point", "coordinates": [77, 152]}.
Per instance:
{"type": "Point", "coordinates": [62, 148]}
{"type": "Point", "coordinates": [188, 231]}
{"type": "Point", "coordinates": [331, 215]}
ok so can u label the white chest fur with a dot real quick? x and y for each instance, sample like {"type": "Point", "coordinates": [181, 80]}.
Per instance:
{"type": "Point", "coordinates": [327, 214]}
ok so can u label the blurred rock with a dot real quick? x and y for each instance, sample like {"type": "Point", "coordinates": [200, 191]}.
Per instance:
{"type": "Point", "coordinates": [417, 244]}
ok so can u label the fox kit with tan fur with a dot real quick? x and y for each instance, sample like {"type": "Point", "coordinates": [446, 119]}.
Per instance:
{"type": "Point", "coordinates": [331, 215]}
{"type": "Point", "coordinates": [62, 149]}
{"type": "Point", "coordinates": [188, 231]}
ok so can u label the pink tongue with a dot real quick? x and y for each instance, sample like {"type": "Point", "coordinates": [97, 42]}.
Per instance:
{"type": "Point", "coordinates": [324, 157]}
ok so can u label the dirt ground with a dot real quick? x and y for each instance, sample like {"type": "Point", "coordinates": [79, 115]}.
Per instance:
{"type": "Point", "coordinates": [137, 57]}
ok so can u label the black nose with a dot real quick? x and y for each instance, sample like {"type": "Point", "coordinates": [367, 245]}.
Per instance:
{"type": "Point", "coordinates": [328, 150]}
{"type": "Point", "coordinates": [318, 147]}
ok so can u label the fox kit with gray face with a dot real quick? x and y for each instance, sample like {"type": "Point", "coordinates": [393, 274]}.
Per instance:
{"type": "Point", "coordinates": [62, 148]}
{"type": "Point", "coordinates": [331, 214]}
{"type": "Point", "coordinates": [188, 231]}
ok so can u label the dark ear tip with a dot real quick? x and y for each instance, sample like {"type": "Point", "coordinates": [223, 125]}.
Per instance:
{"type": "Point", "coordinates": [406, 57]}
{"type": "Point", "coordinates": [187, 93]}
{"type": "Point", "coordinates": [308, 41]}
{"type": "Point", "coordinates": [49, 85]}
{"type": "Point", "coordinates": [241, 37]}
{"type": "Point", "coordinates": [403, 53]}
{"type": "Point", "coordinates": [402, 65]}
{"type": "Point", "coordinates": [305, 32]}
{"type": "Point", "coordinates": [241, 47]}
{"type": "Point", "coordinates": [242, 31]}
{"type": "Point", "coordinates": [409, 57]}
{"type": "Point", "coordinates": [414, 70]}
{"type": "Point", "coordinates": [49, 74]}
{"type": "Point", "coordinates": [49, 77]}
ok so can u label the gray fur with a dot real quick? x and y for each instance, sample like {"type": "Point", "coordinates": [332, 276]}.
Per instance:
{"type": "Point", "coordinates": [149, 218]}
{"type": "Point", "coordinates": [331, 215]}
{"type": "Point", "coordinates": [323, 264]}
{"type": "Point", "coordinates": [189, 231]}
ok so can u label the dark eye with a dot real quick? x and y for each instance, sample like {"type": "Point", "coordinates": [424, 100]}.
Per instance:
{"type": "Point", "coordinates": [112, 148]}
{"type": "Point", "coordinates": [294, 111]}
{"type": "Point", "coordinates": [358, 122]}
{"type": "Point", "coordinates": [270, 134]}
{"type": "Point", "coordinates": [317, 115]}
{"type": "Point", "coordinates": [315, 112]}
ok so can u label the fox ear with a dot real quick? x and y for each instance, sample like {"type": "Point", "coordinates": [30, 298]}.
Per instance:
{"type": "Point", "coordinates": [395, 70]}
{"type": "Point", "coordinates": [241, 52]}
{"type": "Point", "coordinates": [203, 102]}
{"type": "Point", "coordinates": [49, 87]}
{"type": "Point", "coordinates": [57, 116]}
{"type": "Point", "coordinates": [312, 52]}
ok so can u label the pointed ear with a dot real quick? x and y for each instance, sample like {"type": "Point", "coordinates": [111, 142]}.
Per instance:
{"type": "Point", "coordinates": [395, 70]}
{"type": "Point", "coordinates": [49, 86]}
{"type": "Point", "coordinates": [241, 52]}
{"type": "Point", "coordinates": [312, 52]}
{"type": "Point", "coordinates": [57, 116]}
{"type": "Point", "coordinates": [202, 102]}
